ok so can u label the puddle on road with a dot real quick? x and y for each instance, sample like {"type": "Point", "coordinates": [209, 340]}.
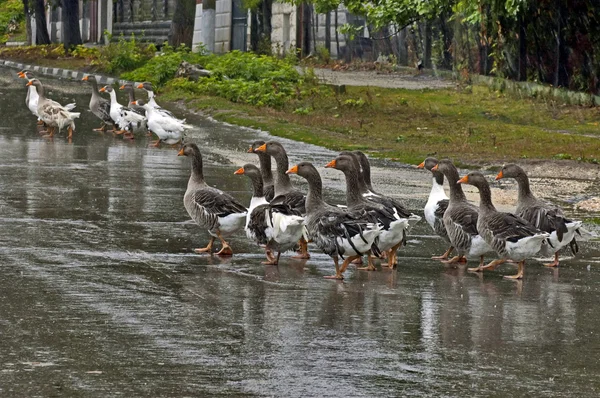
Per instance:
{"type": "Point", "coordinates": [100, 294]}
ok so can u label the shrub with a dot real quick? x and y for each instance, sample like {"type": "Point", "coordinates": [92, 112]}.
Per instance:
{"type": "Point", "coordinates": [162, 67]}
{"type": "Point", "coordinates": [12, 18]}
{"type": "Point", "coordinates": [124, 55]}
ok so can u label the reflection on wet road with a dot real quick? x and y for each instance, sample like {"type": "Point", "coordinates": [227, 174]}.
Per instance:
{"type": "Point", "coordinates": [100, 294]}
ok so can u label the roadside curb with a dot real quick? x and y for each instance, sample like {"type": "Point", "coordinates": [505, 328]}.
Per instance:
{"type": "Point", "coordinates": [60, 72]}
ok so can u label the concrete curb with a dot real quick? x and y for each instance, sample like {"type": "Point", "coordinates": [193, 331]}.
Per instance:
{"type": "Point", "coordinates": [60, 73]}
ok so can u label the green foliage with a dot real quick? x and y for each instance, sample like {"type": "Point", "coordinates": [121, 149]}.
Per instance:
{"type": "Point", "coordinates": [239, 77]}
{"type": "Point", "coordinates": [124, 55]}
{"type": "Point", "coordinates": [12, 18]}
{"type": "Point", "coordinates": [162, 67]}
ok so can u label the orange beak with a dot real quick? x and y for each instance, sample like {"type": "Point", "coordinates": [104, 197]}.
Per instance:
{"type": "Point", "coordinates": [262, 148]}
{"type": "Point", "coordinates": [330, 164]}
{"type": "Point", "coordinates": [140, 86]}
{"type": "Point", "coordinates": [85, 78]}
{"type": "Point", "coordinates": [21, 75]}
{"type": "Point", "coordinates": [180, 153]}
{"type": "Point", "coordinates": [435, 168]}
{"type": "Point", "coordinates": [292, 170]}
{"type": "Point", "coordinates": [250, 150]}
{"type": "Point", "coordinates": [421, 165]}
{"type": "Point", "coordinates": [500, 175]}
{"type": "Point", "coordinates": [464, 180]}
{"type": "Point", "coordinates": [102, 90]}
{"type": "Point", "coordinates": [29, 84]}
{"type": "Point", "coordinates": [122, 87]}
{"type": "Point", "coordinates": [134, 102]}
{"type": "Point", "coordinates": [239, 171]}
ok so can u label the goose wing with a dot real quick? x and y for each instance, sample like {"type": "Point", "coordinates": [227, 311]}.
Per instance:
{"type": "Point", "coordinates": [295, 200]}
{"type": "Point", "coordinates": [509, 227]}
{"type": "Point", "coordinates": [546, 219]}
{"type": "Point", "coordinates": [216, 202]}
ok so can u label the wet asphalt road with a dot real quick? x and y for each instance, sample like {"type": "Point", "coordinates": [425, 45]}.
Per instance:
{"type": "Point", "coordinates": [100, 294]}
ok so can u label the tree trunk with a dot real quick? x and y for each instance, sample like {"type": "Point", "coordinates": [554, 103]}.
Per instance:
{"type": "Point", "coordinates": [328, 31]}
{"type": "Point", "coordinates": [41, 28]}
{"type": "Point", "coordinates": [72, 34]}
{"type": "Point", "coordinates": [27, 13]}
{"type": "Point", "coordinates": [254, 30]}
{"type": "Point", "coordinates": [427, 45]}
{"type": "Point", "coordinates": [402, 47]}
{"type": "Point", "coordinates": [337, 35]}
{"type": "Point", "coordinates": [447, 38]}
{"type": "Point", "coordinates": [182, 27]}
{"type": "Point", "coordinates": [267, 14]}
{"type": "Point", "coordinates": [522, 76]}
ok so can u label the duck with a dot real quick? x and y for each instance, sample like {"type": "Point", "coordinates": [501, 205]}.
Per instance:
{"type": "Point", "coordinates": [460, 219]}
{"type": "Point", "coordinates": [266, 224]}
{"type": "Point", "coordinates": [127, 120]}
{"type": "Point", "coordinates": [367, 191]}
{"type": "Point", "coordinates": [339, 233]}
{"type": "Point", "coordinates": [167, 128]}
{"type": "Point", "coordinates": [284, 192]}
{"type": "Point", "coordinates": [53, 114]}
{"type": "Point", "coordinates": [147, 86]}
{"type": "Point", "coordinates": [31, 100]}
{"type": "Point", "coordinates": [217, 211]}
{"type": "Point", "coordinates": [436, 205]}
{"type": "Point", "coordinates": [265, 169]}
{"type": "Point", "coordinates": [544, 216]}
{"type": "Point", "coordinates": [512, 237]}
{"type": "Point", "coordinates": [128, 88]}
{"type": "Point", "coordinates": [393, 228]}
{"type": "Point", "coordinates": [99, 106]}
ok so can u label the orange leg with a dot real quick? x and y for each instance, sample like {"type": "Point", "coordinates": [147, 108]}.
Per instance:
{"type": "Point", "coordinates": [445, 255]}
{"type": "Point", "coordinates": [225, 248]}
{"type": "Point", "coordinates": [520, 272]}
{"type": "Point", "coordinates": [456, 259]}
{"type": "Point", "coordinates": [370, 264]}
{"type": "Point", "coordinates": [208, 248]}
{"type": "Point", "coordinates": [554, 263]}
{"type": "Point", "coordinates": [304, 255]}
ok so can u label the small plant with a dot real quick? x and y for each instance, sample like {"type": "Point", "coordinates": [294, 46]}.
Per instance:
{"type": "Point", "coordinates": [323, 55]}
{"type": "Point", "coordinates": [354, 103]}
{"type": "Point", "coordinates": [302, 111]}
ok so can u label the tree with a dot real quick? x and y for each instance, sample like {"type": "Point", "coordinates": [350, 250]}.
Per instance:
{"type": "Point", "coordinates": [182, 28]}
{"type": "Point", "coordinates": [27, 12]}
{"type": "Point", "coordinates": [72, 33]}
{"type": "Point", "coordinates": [41, 29]}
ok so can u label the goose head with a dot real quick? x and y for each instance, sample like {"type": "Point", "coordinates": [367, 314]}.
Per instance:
{"type": "Point", "coordinates": [474, 178]}
{"type": "Point", "coordinates": [305, 170]}
{"type": "Point", "coordinates": [25, 74]}
{"type": "Point", "coordinates": [429, 163]}
{"type": "Point", "coordinates": [145, 86]}
{"type": "Point", "coordinates": [343, 163]}
{"type": "Point", "coordinates": [256, 144]}
{"type": "Point", "coordinates": [189, 149]}
{"type": "Point", "coordinates": [272, 148]}
{"type": "Point", "coordinates": [510, 170]}
{"type": "Point", "coordinates": [107, 89]}
{"type": "Point", "coordinates": [249, 170]}
{"type": "Point", "coordinates": [89, 78]}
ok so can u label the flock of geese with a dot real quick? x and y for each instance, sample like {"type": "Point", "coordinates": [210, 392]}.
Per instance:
{"type": "Point", "coordinates": [281, 218]}
{"type": "Point", "coordinates": [371, 224]}
{"type": "Point", "coordinates": [137, 117]}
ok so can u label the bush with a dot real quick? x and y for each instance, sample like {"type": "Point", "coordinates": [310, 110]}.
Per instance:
{"type": "Point", "coordinates": [124, 55]}
{"type": "Point", "coordinates": [12, 18]}
{"type": "Point", "coordinates": [162, 67]}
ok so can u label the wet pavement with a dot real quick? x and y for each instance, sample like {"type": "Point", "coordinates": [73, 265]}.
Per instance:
{"type": "Point", "coordinates": [100, 294]}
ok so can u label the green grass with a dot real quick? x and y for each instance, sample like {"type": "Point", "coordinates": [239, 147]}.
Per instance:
{"type": "Point", "coordinates": [472, 126]}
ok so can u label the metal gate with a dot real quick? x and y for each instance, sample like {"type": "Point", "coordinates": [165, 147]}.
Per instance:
{"type": "Point", "coordinates": [239, 26]}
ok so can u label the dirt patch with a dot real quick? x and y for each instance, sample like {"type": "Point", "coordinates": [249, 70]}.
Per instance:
{"type": "Point", "coordinates": [386, 80]}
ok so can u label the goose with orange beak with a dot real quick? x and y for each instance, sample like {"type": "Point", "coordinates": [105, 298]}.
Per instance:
{"type": "Point", "coordinates": [31, 100]}
{"type": "Point", "coordinates": [271, 226]}
{"type": "Point", "coordinates": [264, 161]}
{"type": "Point", "coordinates": [99, 106]}
{"type": "Point", "coordinates": [284, 192]}
{"type": "Point", "coordinates": [340, 234]}
{"type": "Point", "coordinates": [436, 205]}
{"type": "Point", "coordinates": [544, 216]}
{"type": "Point", "coordinates": [126, 120]}
{"type": "Point", "coordinates": [512, 238]}
{"type": "Point", "coordinates": [460, 220]}
{"type": "Point", "coordinates": [393, 228]}
{"type": "Point", "coordinates": [210, 207]}
{"type": "Point", "coordinates": [53, 114]}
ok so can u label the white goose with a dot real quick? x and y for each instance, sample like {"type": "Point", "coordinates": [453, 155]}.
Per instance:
{"type": "Point", "coordinates": [53, 114]}
{"type": "Point", "coordinates": [33, 97]}
{"type": "Point", "coordinates": [436, 205]}
{"type": "Point", "coordinates": [271, 225]}
{"type": "Point", "coordinates": [127, 120]}
{"type": "Point", "coordinates": [167, 128]}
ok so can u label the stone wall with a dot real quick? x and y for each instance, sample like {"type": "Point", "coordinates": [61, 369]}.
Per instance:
{"type": "Point", "coordinates": [283, 22]}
